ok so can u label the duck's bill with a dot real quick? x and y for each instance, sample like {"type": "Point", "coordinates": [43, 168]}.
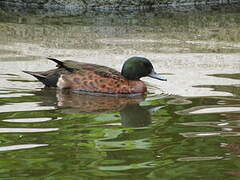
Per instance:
{"type": "Point", "coordinates": [157, 76]}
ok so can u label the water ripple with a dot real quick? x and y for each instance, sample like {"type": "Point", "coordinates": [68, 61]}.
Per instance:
{"type": "Point", "coordinates": [228, 124]}
{"type": "Point", "coordinates": [26, 130]}
{"type": "Point", "coordinates": [207, 134]}
{"type": "Point", "coordinates": [200, 158]}
{"type": "Point", "coordinates": [25, 106]}
{"type": "Point", "coordinates": [21, 146]}
{"type": "Point", "coordinates": [27, 120]}
{"type": "Point", "coordinates": [209, 110]}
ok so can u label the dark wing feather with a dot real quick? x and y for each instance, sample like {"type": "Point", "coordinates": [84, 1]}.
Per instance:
{"type": "Point", "coordinates": [64, 64]}
{"type": "Point", "coordinates": [108, 73]}
{"type": "Point", "coordinates": [59, 63]}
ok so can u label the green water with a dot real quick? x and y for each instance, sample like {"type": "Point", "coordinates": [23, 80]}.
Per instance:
{"type": "Point", "coordinates": [186, 128]}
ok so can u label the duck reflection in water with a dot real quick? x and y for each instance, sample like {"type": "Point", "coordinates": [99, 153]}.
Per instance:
{"type": "Point", "coordinates": [132, 114]}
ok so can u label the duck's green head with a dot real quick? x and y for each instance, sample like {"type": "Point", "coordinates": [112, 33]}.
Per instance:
{"type": "Point", "coordinates": [136, 67]}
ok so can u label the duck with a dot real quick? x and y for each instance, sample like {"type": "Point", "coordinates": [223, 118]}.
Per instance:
{"type": "Point", "coordinates": [98, 79]}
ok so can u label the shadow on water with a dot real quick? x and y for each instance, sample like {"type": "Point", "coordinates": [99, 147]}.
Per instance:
{"type": "Point", "coordinates": [131, 113]}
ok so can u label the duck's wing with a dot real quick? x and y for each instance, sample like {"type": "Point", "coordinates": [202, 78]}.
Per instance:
{"type": "Point", "coordinates": [103, 71]}
{"type": "Point", "coordinates": [88, 68]}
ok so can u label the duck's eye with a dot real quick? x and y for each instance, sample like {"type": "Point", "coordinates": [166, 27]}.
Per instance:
{"type": "Point", "coordinates": [145, 64]}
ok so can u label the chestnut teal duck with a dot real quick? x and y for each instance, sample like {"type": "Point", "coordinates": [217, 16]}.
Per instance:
{"type": "Point", "coordinates": [97, 79]}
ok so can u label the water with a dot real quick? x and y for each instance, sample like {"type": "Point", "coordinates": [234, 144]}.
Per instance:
{"type": "Point", "coordinates": [186, 128]}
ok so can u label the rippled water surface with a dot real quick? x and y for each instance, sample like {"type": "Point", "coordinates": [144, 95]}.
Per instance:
{"type": "Point", "coordinates": [186, 128]}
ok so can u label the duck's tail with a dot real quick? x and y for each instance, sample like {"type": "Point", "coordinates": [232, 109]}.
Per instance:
{"type": "Point", "coordinates": [37, 75]}
{"type": "Point", "coordinates": [50, 78]}
{"type": "Point", "coordinates": [49, 81]}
